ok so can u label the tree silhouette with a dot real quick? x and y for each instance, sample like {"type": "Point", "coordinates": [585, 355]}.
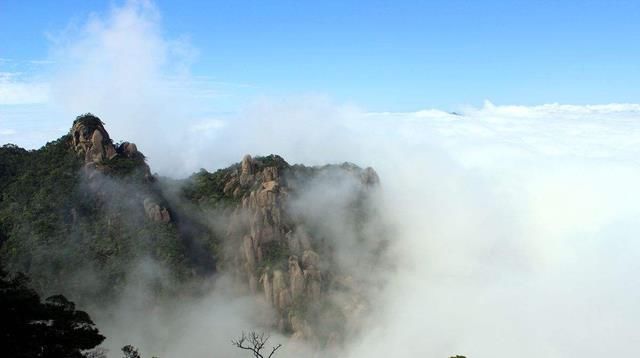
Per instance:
{"type": "Point", "coordinates": [255, 342]}
{"type": "Point", "coordinates": [130, 351]}
{"type": "Point", "coordinates": [49, 329]}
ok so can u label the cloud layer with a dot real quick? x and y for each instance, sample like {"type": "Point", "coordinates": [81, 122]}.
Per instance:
{"type": "Point", "coordinates": [517, 225]}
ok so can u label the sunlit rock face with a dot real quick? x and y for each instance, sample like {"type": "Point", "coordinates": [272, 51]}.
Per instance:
{"type": "Point", "coordinates": [92, 140]}
{"type": "Point", "coordinates": [284, 261]}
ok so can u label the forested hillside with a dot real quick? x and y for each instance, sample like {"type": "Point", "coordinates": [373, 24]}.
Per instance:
{"type": "Point", "coordinates": [82, 214]}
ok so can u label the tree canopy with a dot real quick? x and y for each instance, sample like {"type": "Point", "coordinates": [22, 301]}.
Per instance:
{"type": "Point", "coordinates": [50, 329]}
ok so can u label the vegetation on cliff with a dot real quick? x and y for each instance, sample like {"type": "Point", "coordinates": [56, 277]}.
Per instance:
{"type": "Point", "coordinates": [81, 213]}
{"type": "Point", "coordinates": [76, 231]}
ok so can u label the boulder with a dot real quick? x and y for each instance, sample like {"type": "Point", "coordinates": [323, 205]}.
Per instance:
{"type": "Point", "coordinates": [89, 138]}
{"type": "Point", "coordinates": [130, 150]}
{"type": "Point", "coordinates": [155, 212]}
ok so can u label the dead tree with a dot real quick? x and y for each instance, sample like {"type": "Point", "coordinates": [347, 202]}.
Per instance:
{"type": "Point", "coordinates": [255, 342]}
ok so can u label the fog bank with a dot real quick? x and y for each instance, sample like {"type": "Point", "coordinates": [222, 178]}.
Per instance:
{"type": "Point", "coordinates": [517, 226]}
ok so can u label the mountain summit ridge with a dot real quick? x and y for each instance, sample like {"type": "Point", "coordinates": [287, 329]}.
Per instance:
{"type": "Point", "coordinates": [82, 206]}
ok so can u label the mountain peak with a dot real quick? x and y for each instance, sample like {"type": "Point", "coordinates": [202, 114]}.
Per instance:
{"type": "Point", "coordinates": [90, 138]}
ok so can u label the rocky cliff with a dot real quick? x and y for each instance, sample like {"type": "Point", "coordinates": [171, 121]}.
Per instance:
{"type": "Point", "coordinates": [304, 240]}
{"type": "Point", "coordinates": [283, 256]}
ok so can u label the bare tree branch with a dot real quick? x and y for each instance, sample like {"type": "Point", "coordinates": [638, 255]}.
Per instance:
{"type": "Point", "coordinates": [255, 343]}
{"type": "Point", "coordinates": [274, 350]}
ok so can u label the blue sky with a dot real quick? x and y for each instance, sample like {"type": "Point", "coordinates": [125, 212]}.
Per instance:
{"type": "Point", "coordinates": [385, 55]}
{"type": "Point", "coordinates": [516, 215]}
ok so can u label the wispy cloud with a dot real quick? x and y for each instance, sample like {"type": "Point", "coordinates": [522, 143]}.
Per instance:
{"type": "Point", "coordinates": [516, 224]}
{"type": "Point", "coordinates": [41, 62]}
{"type": "Point", "coordinates": [206, 125]}
{"type": "Point", "coordinates": [17, 90]}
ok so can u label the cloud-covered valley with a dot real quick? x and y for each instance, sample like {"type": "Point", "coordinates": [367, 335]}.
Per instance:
{"type": "Point", "coordinates": [516, 226]}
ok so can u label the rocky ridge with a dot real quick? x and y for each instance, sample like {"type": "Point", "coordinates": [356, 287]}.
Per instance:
{"type": "Point", "coordinates": [277, 257]}
{"type": "Point", "coordinates": [244, 220]}
{"type": "Point", "coordinates": [269, 247]}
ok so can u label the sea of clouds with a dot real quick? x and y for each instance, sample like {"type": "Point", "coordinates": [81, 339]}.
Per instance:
{"type": "Point", "coordinates": [517, 226]}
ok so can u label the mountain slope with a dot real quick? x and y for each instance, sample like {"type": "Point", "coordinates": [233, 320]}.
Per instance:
{"type": "Point", "coordinates": [81, 214]}
{"type": "Point", "coordinates": [77, 217]}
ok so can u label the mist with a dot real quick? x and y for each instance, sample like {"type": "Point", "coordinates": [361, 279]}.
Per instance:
{"type": "Point", "coordinates": [514, 227]}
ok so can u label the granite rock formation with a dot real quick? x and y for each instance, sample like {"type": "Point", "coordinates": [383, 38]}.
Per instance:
{"type": "Point", "coordinates": [90, 140]}
{"type": "Point", "coordinates": [277, 256]}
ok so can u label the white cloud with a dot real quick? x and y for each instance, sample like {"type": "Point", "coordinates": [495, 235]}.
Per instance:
{"type": "Point", "coordinates": [517, 225]}
{"type": "Point", "coordinates": [15, 90]}
{"type": "Point", "coordinates": [207, 125]}
{"type": "Point", "coordinates": [121, 67]}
